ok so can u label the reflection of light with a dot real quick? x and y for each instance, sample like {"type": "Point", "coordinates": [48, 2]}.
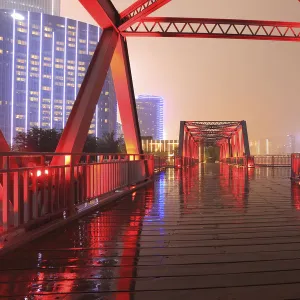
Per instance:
{"type": "Point", "coordinates": [133, 196]}
{"type": "Point", "coordinates": [17, 16]}
{"type": "Point", "coordinates": [161, 198]}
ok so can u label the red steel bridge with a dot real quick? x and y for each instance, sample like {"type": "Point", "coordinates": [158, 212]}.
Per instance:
{"type": "Point", "coordinates": [196, 232]}
{"type": "Point", "coordinates": [230, 136]}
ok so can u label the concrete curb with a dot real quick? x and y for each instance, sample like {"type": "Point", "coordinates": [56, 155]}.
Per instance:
{"type": "Point", "coordinates": [24, 236]}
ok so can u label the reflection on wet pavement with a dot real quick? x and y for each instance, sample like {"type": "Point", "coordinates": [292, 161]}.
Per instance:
{"type": "Point", "coordinates": [208, 232]}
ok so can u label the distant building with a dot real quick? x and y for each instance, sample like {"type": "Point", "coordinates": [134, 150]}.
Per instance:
{"type": "Point", "coordinates": [43, 60]}
{"type": "Point", "coordinates": [169, 147]}
{"type": "Point", "coordinates": [291, 144]}
{"type": "Point", "coordinates": [261, 147]}
{"type": "Point", "coordinates": [150, 115]}
{"type": "Point", "coordinates": [51, 7]}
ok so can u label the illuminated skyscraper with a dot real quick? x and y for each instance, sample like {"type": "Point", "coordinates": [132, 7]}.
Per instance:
{"type": "Point", "coordinates": [51, 7]}
{"type": "Point", "coordinates": [43, 60]}
{"type": "Point", "coordinates": [150, 110]}
{"type": "Point", "coordinates": [291, 144]}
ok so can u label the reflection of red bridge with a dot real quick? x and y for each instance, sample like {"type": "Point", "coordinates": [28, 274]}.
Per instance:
{"type": "Point", "coordinates": [113, 227]}
{"type": "Point", "coordinates": [234, 180]}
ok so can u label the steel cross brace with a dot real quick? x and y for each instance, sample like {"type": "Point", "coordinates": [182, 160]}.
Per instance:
{"type": "Point", "coordinates": [214, 28]}
{"type": "Point", "coordinates": [111, 51]}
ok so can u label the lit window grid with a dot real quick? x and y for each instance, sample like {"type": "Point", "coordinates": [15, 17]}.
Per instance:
{"type": "Point", "coordinates": [51, 7]}
{"type": "Point", "coordinates": [150, 114]}
{"type": "Point", "coordinates": [40, 85]}
{"type": "Point", "coordinates": [153, 146]}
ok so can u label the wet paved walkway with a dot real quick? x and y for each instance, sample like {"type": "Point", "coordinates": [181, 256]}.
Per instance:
{"type": "Point", "coordinates": [211, 232]}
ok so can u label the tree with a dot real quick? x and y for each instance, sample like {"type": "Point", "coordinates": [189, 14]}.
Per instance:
{"type": "Point", "coordinates": [108, 143]}
{"type": "Point", "coordinates": [37, 140]}
{"type": "Point", "coordinates": [46, 140]}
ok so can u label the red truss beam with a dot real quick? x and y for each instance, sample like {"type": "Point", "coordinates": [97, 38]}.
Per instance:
{"type": "Point", "coordinates": [215, 28]}
{"type": "Point", "coordinates": [138, 10]}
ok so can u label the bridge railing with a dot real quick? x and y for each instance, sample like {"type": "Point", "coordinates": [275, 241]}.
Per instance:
{"type": "Point", "coordinates": [35, 190]}
{"type": "Point", "coordinates": [273, 160]}
{"type": "Point", "coordinates": [246, 161]}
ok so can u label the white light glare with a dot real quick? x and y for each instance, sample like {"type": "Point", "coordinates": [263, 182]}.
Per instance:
{"type": "Point", "coordinates": [17, 16]}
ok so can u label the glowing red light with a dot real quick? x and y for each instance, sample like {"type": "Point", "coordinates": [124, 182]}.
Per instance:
{"type": "Point", "coordinates": [46, 172]}
{"type": "Point", "coordinates": [38, 173]}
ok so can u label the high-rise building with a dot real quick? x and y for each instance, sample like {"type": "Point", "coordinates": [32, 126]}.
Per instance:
{"type": "Point", "coordinates": [168, 147]}
{"type": "Point", "coordinates": [43, 60]}
{"type": "Point", "coordinates": [150, 110]}
{"type": "Point", "coordinates": [51, 7]}
{"type": "Point", "coordinates": [291, 144]}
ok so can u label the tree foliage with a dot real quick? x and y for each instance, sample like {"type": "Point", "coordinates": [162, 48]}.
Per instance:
{"type": "Point", "coordinates": [46, 140]}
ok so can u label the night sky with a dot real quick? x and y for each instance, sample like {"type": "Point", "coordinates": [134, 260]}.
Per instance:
{"type": "Point", "coordinates": [210, 79]}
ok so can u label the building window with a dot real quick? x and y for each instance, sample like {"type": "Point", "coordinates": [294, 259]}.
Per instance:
{"type": "Point", "coordinates": [23, 43]}
{"type": "Point", "coordinates": [22, 30]}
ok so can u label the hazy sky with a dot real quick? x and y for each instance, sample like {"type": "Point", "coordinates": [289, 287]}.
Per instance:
{"type": "Point", "coordinates": [213, 79]}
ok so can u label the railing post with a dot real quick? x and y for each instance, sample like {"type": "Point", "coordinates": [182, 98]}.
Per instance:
{"type": "Point", "coordinates": [17, 203]}
{"type": "Point", "coordinates": [6, 193]}
{"type": "Point", "coordinates": [71, 200]}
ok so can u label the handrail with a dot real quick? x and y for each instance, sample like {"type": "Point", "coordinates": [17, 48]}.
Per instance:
{"type": "Point", "coordinates": [37, 190]}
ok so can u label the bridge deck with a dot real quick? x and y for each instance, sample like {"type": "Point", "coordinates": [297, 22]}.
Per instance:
{"type": "Point", "coordinates": [208, 233]}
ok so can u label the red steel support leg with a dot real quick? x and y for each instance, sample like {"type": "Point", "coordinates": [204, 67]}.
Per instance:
{"type": "Point", "coordinates": [4, 147]}
{"type": "Point", "coordinates": [238, 148]}
{"type": "Point", "coordinates": [121, 73]}
{"type": "Point", "coordinates": [222, 156]}
{"type": "Point", "coordinates": [245, 138]}
{"type": "Point", "coordinates": [77, 127]}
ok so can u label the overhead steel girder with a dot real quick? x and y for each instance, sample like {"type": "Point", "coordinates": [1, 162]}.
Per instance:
{"type": "Point", "coordinates": [215, 28]}
{"type": "Point", "coordinates": [138, 10]}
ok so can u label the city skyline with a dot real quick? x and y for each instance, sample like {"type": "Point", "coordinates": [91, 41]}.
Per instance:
{"type": "Point", "coordinates": [43, 60]}
{"type": "Point", "coordinates": [218, 79]}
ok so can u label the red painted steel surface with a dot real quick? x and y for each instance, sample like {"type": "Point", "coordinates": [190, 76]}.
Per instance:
{"type": "Point", "coordinates": [138, 10]}
{"type": "Point", "coordinates": [215, 28]}
{"type": "Point", "coordinates": [295, 167]}
{"type": "Point", "coordinates": [125, 94]}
